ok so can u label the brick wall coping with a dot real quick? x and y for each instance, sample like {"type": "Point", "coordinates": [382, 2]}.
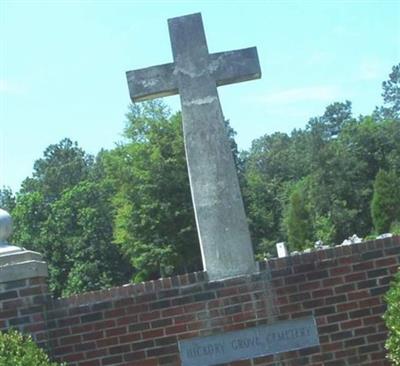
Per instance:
{"type": "Point", "coordinates": [365, 251]}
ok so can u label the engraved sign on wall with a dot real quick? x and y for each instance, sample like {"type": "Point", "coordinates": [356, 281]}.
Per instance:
{"type": "Point", "coordinates": [282, 336]}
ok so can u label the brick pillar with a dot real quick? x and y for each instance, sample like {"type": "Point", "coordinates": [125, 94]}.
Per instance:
{"type": "Point", "coordinates": [23, 288]}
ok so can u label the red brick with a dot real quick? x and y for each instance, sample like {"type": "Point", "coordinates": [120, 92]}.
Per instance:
{"type": "Point", "coordinates": [114, 313]}
{"type": "Point", "coordinates": [90, 363]}
{"type": "Point", "coordinates": [176, 329]}
{"type": "Point", "coordinates": [184, 318]}
{"type": "Point", "coordinates": [386, 262]}
{"type": "Point", "coordinates": [96, 354]}
{"type": "Point", "coordinates": [172, 311]}
{"type": "Point", "coordinates": [34, 328]}
{"type": "Point", "coordinates": [127, 320]}
{"type": "Point", "coordinates": [115, 331]}
{"type": "Point", "coordinates": [332, 281]}
{"type": "Point", "coordinates": [291, 308]}
{"type": "Point", "coordinates": [81, 328]}
{"type": "Point", "coordinates": [150, 316]}
{"type": "Point", "coordinates": [31, 291]}
{"type": "Point", "coordinates": [355, 277]}
{"type": "Point", "coordinates": [369, 302]}
{"type": "Point", "coordinates": [111, 360]}
{"type": "Point", "coordinates": [347, 306]}
{"type": "Point", "coordinates": [339, 271]}
{"type": "Point", "coordinates": [358, 295]}
{"type": "Point", "coordinates": [93, 335]}
{"type": "Point", "coordinates": [138, 308]}
{"type": "Point", "coordinates": [153, 334]}
{"type": "Point", "coordinates": [70, 340]}
{"type": "Point", "coordinates": [107, 342]}
{"type": "Point", "coordinates": [134, 356]}
{"type": "Point", "coordinates": [104, 324]}
{"type": "Point", "coordinates": [130, 337]}
{"type": "Point", "coordinates": [230, 291]}
{"type": "Point", "coordinates": [62, 350]}
{"type": "Point", "coordinates": [309, 286]}
{"type": "Point", "coordinates": [351, 324]}
{"type": "Point", "coordinates": [325, 292]}
{"type": "Point", "coordinates": [73, 357]}
{"type": "Point", "coordinates": [149, 362]}
{"type": "Point", "coordinates": [191, 308]}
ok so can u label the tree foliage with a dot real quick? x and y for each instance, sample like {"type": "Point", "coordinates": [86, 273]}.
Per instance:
{"type": "Point", "coordinates": [78, 241]}
{"type": "Point", "coordinates": [335, 159]}
{"type": "Point", "coordinates": [392, 320]}
{"type": "Point", "coordinates": [64, 212]}
{"type": "Point", "coordinates": [127, 213]}
{"type": "Point", "coordinates": [385, 207]}
{"type": "Point", "coordinates": [63, 166]}
{"type": "Point", "coordinates": [391, 95]}
{"type": "Point", "coordinates": [298, 219]}
{"type": "Point", "coordinates": [19, 350]}
{"type": "Point", "coordinates": [154, 223]}
{"type": "Point", "coordinates": [7, 199]}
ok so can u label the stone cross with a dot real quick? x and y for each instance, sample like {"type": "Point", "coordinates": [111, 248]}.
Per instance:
{"type": "Point", "coordinates": [195, 74]}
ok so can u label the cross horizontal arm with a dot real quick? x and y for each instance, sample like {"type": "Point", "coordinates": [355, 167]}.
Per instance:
{"type": "Point", "coordinates": [152, 82]}
{"type": "Point", "coordinates": [235, 66]}
{"type": "Point", "coordinates": [225, 68]}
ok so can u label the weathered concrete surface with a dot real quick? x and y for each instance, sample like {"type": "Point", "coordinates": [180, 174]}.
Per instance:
{"type": "Point", "coordinates": [18, 265]}
{"type": "Point", "coordinates": [221, 221]}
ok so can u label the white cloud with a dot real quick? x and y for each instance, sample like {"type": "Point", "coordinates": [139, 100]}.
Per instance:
{"type": "Point", "coordinates": [305, 94]}
{"type": "Point", "coordinates": [370, 69]}
{"type": "Point", "coordinates": [8, 87]}
{"type": "Point", "coordinates": [342, 31]}
{"type": "Point", "coordinates": [318, 58]}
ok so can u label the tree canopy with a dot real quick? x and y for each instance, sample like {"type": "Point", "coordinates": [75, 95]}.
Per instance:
{"type": "Point", "coordinates": [126, 214]}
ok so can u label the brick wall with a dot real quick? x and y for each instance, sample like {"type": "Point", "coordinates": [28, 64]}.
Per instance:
{"type": "Point", "coordinates": [343, 287]}
{"type": "Point", "coordinates": [23, 306]}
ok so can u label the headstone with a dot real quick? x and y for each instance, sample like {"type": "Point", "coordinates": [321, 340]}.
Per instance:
{"type": "Point", "coordinates": [195, 74]}
{"type": "Point", "coordinates": [282, 336]}
{"type": "Point", "coordinates": [384, 236]}
{"type": "Point", "coordinates": [282, 250]}
{"type": "Point", "coordinates": [319, 245]}
{"type": "Point", "coordinates": [352, 240]}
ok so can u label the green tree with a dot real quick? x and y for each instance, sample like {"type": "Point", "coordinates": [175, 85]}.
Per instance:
{"type": "Point", "coordinates": [391, 94]}
{"type": "Point", "coordinates": [78, 236]}
{"type": "Point", "coordinates": [385, 206]}
{"type": "Point", "coordinates": [63, 166]}
{"type": "Point", "coordinates": [392, 320]}
{"type": "Point", "coordinates": [155, 224]}
{"type": "Point", "coordinates": [29, 216]}
{"type": "Point", "coordinates": [391, 97]}
{"type": "Point", "coordinates": [19, 350]}
{"type": "Point", "coordinates": [65, 212]}
{"type": "Point", "coordinates": [268, 166]}
{"type": "Point", "coordinates": [7, 199]}
{"type": "Point", "coordinates": [338, 156]}
{"type": "Point", "coordinates": [335, 116]}
{"type": "Point", "coordinates": [298, 220]}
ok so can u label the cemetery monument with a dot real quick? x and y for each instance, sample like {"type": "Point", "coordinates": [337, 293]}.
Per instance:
{"type": "Point", "coordinates": [195, 74]}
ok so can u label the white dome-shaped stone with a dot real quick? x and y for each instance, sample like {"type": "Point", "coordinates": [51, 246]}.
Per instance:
{"type": "Point", "coordinates": [5, 225]}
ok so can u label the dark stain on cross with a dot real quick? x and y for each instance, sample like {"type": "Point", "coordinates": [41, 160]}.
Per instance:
{"type": "Point", "coordinates": [195, 74]}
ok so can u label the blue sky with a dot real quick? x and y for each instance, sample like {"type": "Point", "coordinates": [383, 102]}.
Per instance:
{"type": "Point", "coordinates": [63, 63]}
